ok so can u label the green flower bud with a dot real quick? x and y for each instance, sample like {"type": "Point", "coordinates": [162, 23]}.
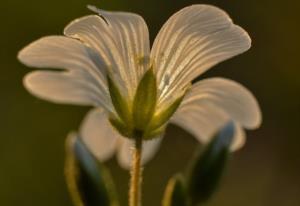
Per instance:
{"type": "Point", "coordinates": [89, 182]}
{"type": "Point", "coordinates": [208, 166]}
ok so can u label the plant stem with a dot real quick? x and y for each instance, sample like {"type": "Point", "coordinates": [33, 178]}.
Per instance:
{"type": "Point", "coordinates": [136, 174]}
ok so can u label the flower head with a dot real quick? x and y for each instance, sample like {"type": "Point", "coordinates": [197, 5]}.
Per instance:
{"type": "Point", "coordinates": [107, 63]}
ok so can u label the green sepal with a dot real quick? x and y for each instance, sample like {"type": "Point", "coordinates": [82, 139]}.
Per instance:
{"type": "Point", "coordinates": [121, 127]}
{"type": "Point", "coordinates": [208, 166]}
{"type": "Point", "coordinates": [121, 106]}
{"type": "Point", "coordinates": [150, 134]}
{"type": "Point", "coordinates": [144, 101]}
{"type": "Point", "coordinates": [89, 182]}
{"type": "Point", "coordinates": [162, 117]}
{"type": "Point", "coordinates": [175, 193]}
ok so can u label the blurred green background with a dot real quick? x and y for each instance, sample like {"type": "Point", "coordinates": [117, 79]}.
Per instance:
{"type": "Point", "coordinates": [266, 172]}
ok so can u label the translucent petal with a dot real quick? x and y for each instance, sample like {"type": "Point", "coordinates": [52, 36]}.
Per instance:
{"type": "Point", "coordinates": [204, 120]}
{"type": "Point", "coordinates": [192, 41]}
{"type": "Point", "coordinates": [240, 137]}
{"type": "Point", "coordinates": [65, 53]}
{"type": "Point", "coordinates": [233, 98]}
{"type": "Point", "coordinates": [63, 87]}
{"type": "Point", "coordinates": [125, 148]}
{"type": "Point", "coordinates": [121, 39]}
{"type": "Point", "coordinates": [98, 134]}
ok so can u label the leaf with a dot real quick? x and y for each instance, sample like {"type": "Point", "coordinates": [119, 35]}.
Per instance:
{"type": "Point", "coordinates": [145, 100]}
{"type": "Point", "coordinates": [121, 106]}
{"type": "Point", "coordinates": [89, 183]}
{"type": "Point", "coordinates": [208, 166]}
{"type": "Point", "coordinates": [175, 193]}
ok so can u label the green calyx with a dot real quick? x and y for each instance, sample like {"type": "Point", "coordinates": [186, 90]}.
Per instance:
{"type": "Point", "coordinates": [144, 102]}
{"type": "Point", "coordinates": [139, 117]}
{"type": "Point", "coordinates": [120, 103]}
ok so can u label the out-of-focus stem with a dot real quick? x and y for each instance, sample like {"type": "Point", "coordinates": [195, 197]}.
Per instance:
{"type": "Point", "coordinates": [136, 174]}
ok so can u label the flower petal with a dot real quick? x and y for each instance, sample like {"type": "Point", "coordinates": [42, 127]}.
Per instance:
{"type": "Point", "coordinates": [203, 121]}
{"type": "Point", "coordinates": [121, 39]}
{"type": "Point", "coordinates": [192, 41]}
{"type": "Point", "coordinates": [233, 98]}
{"type": "Point", "coordinates": [98, 134]}
{"type": "Point", "coordinates": [63, 87]}
{"type": "Point", "coordinates": [125, 148]}
{"type": "Point", "coordinates": [82, 63]}
{"type": "Point", "coordinates": [240, 137]}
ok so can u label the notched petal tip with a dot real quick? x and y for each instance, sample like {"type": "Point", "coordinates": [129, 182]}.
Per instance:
{"type": "Point", "coordinates": [70, 29]}
{"type": "Point", "coordinates": [21, 54]}
{"type": "Point", "coordinates": [97, 11]}
{"type": "Point", "coordinates": [24, 55]}
{"type": "Point", "coordinates": [30, 83]}
{"type": "Point", "coordinates": [33, 83]}
{"type": "Point", "coordinates": [38, 52]}
{"type": "Point", "coordinates": [239, 138]}
{"type": "Point", "coordinates": [207, 7]}
{"type": "Point", "coordinates": [232, 97]}
{"type": "Point", "coordinates": [258, 122]}
{"type": "Point", "coordinates": [246, 40]}
{"type": "Point", "coordinates": [194, 40]}
{"type": "Point", "coordinates": [93, 8]}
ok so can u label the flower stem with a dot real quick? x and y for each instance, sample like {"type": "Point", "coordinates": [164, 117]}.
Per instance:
{"type": "Point", "coordinates": [136, 174]}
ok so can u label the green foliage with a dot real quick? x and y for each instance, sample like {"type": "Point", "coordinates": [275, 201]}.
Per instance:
{"type": "Point", "coordinates": [145, 101]}
{"type": "Point", "coordinates": [208, 166]}
{"type": "Point", "coordinates": [89, 182]}
{"type": "Point", "coordinates": [175, 193]}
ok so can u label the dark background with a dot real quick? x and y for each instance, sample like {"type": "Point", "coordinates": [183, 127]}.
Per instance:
{"type": "Point", "coordinates": [32, 132]}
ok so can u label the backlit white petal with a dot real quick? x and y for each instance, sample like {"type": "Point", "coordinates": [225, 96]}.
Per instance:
{"type": "Point", "coordinates": [63, 87]}
{"type": "Point", "coordinates": [98, 134]}
{"type": "Point", "coordinates": [203, 121]}
{"type": "Point", "coordinates": [240, 137]}
{"type": "Point", "coordinates": [192, 41]}
{"type": "Point", "coordinates": [121, 39]}
{"type": "Point", "coordinates": [59, 52]}
{"type": "Point", "coordinates": [233, 98]}
{"type": "Point", "coordinates": [125, 148]}
{"type": "Point", "coordinates": [82, 63]}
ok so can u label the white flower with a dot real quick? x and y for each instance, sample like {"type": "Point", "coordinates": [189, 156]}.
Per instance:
{"type": "Point", "coordinates": [112, 49]}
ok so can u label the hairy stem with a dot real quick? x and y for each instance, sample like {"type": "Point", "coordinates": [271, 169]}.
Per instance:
{"type": "Point", "coordinates": [136, 174]}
